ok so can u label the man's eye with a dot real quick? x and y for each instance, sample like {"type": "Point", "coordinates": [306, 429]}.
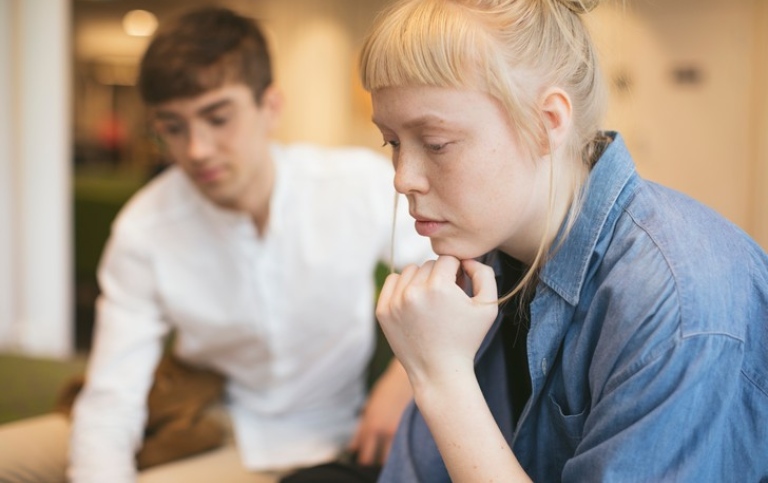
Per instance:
{"type": "Point", "coordinates": [393, 144]}
{"type": "Point", "coordinates": [172, 129]}
{"type": "Point", "coordinates": [218, 120]}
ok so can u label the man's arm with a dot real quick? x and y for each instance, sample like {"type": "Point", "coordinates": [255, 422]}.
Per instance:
{"type": "Point", "coordinates": [381, 415]}
{"type": "Point", "coordinates": [110, 412]}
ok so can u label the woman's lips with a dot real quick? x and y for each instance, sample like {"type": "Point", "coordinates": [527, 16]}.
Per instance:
{"type": "Point", "coordinates": [428, 228]}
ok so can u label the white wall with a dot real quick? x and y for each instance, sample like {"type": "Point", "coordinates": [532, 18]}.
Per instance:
{"type": "Point", "coordinates": [7, 219]}
{"type": "Point", "coordinates": [316, 47]}
{"type": "Point", "coordinates": [313, 68]}
{"type": "Point", "coordinates": [760, 126]}
{"type": "Point", "coordinates": [36, 205]}
{"type": "Point", "coordinates": [698, 137]}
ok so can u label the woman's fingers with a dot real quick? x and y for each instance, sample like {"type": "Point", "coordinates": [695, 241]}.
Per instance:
{"type": "Point", "coordinates": [423, 273]}
{"type": "Point", "coordinates": [385, 295]}
{"type": "Point", "coordinates": [483, 280]}
{"type": "Point", "coordinates": [445, 270]}
{"type": "Point", "coordinates": [416, 286]}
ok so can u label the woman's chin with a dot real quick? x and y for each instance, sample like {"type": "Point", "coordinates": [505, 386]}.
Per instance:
{"type": "Point", "coordinates": [448, 249]}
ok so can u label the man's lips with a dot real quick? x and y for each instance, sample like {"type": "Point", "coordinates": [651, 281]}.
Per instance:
{"type": "Point", "coordinates": [208, 175]}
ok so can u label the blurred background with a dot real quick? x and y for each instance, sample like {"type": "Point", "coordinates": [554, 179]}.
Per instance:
{"type": "Point", "coordinates": [688, 82]}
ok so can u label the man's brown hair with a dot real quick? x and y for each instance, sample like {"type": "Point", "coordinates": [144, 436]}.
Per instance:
{"type": "Point", "coordinates": [202, 50]}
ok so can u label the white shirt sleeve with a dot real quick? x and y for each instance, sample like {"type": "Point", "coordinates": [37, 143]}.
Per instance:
{"type": "Point", "coordinates": [110, 412]}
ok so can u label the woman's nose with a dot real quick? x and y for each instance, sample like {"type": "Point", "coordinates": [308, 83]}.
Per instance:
{"type": "Point", "coordinates": [410, 176]}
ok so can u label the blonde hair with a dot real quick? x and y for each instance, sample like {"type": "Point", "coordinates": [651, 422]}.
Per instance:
{"type": "Point", "coordinates": [511, 49]}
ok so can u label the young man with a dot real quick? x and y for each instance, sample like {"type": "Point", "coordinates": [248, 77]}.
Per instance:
{"type": "Point", "coordinates": [258, 257]}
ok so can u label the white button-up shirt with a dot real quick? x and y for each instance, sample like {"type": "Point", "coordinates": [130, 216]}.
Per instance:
{"type": "Point", "coordinates": [286, 316]}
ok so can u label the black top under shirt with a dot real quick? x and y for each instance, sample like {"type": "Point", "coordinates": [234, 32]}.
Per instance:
{"type": "Point", "coordinates": [516, 317]}
{"type": "Point", "coordinates": [517, 314]}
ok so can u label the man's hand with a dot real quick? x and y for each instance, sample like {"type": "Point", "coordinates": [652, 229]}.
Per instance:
{"type": "Point", "coordinates": [389, 397]}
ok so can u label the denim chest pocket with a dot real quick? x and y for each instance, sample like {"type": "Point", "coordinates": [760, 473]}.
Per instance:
{"type": "Point", "coordinates": [568, 425]}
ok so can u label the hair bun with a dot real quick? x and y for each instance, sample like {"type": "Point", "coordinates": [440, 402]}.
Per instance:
{"type": "Point", "coordinates": [579, 6]}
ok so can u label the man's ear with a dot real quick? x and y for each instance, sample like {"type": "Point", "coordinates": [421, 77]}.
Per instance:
{"type": "Point", "coordinates": [272, 103]}
{"type": "Point", "coordinates": [156, 127]}
{"type": "Point", "coordinates": [557, 115]}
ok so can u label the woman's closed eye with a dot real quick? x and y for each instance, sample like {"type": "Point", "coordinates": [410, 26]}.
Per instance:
{"type": "Point", "coordinates": [391, 143]}
{"type": "Point", "coordinates": [436, 148]}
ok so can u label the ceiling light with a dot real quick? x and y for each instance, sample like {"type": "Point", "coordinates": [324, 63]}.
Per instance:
{"type": "Point", "coordinates": [139, 23]}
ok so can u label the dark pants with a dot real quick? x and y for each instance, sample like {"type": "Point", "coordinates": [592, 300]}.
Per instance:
{"type": "Point", "coordinates": [335, 473]}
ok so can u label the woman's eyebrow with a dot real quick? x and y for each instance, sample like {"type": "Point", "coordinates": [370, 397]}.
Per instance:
{"type": "Point", "coordinates": [417, 121]}
{"type": "Point", "coordinates": [423, 121]}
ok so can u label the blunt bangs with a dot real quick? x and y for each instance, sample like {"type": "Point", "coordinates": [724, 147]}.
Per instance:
{"type": "Point", "coordinates": [426, 43]}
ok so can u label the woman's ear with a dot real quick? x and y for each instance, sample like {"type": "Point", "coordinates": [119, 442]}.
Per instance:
{"type": "Point", "coordinates": [557, 114]}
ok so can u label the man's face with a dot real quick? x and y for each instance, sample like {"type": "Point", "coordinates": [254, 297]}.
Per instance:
{"type": "Point", "coordinates": [221, 141]}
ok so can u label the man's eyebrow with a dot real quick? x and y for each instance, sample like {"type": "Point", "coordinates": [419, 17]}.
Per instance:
{"type": "Point", "coordinates": [166, 115]}
{"type": "Point", "coordinates": [214, 106]}
{"type": "Point", "coordinates": [208, 109]}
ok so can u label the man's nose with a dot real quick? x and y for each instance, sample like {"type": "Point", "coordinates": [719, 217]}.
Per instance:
{"type": "Point", "coordinates": [199, 145]}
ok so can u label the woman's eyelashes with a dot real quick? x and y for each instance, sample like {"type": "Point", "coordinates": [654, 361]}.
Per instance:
{"type": "Point", "coordinates": [434, 148]}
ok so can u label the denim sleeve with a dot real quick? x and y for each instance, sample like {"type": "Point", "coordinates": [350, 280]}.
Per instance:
{"type": "Point", "coordinates": [666, 418]}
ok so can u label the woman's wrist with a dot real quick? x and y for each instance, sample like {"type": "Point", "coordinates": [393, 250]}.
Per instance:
{"type": "Point", "coordinates": [449, 383]}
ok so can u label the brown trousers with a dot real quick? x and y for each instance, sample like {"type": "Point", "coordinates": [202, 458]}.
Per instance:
{"type": "Point", "coordinates": [35, 451]}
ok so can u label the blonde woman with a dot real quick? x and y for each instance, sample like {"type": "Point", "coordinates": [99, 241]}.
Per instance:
{"type": "Point", "coordinates": [630, 341]}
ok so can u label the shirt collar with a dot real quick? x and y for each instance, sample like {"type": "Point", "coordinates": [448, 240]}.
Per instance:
{"type": "Point", "coordinates": [614, 172]}
{"type": "Point", "coordinates": [240, 221]}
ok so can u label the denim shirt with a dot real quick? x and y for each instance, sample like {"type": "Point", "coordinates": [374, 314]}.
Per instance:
{"type": "Point", "coordinates": [647, 351]}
